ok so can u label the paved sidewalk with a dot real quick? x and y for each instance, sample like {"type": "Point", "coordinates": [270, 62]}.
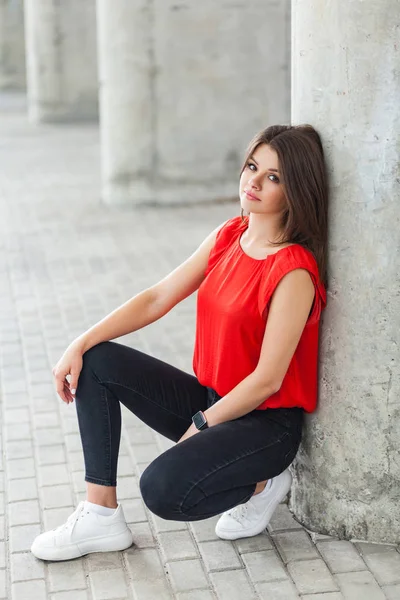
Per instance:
{"type": "Point", "coordinates": [65, 262]}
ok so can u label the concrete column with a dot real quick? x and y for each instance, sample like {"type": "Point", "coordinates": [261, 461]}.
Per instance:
{"type": "Point", "coordinates": [184, 86]}
{"type": "Point", "coordinates": [345, 81]}
{"type": "Point", "coordinates": [61, 60]}
{"type": "Point", "coordinates": [12, 45]}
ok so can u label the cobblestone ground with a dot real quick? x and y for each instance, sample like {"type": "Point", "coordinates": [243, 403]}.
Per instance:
{"type": "Point", "coordinates": [65, 262]}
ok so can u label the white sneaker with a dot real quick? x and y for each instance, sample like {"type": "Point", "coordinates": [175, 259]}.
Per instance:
{"type": "Point", "coordinates": [83, 533]}
{"type": "Point", "coordinates": [252, 517]}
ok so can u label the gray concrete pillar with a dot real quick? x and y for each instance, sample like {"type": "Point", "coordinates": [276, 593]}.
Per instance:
{"type": "Point", "coordinates": [12, 45]}
{"type": "Point", "coordinates": [183, 88]}
{"type": "Point", "coordinates": [345, 81]}
{"type": "Point", "coordinates": [61, 60]}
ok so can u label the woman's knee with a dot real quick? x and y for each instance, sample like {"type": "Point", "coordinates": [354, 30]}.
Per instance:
{"type": "Point", "coordinates": [92, 369]}
{"type": "Point", "coordinates": [155, 487]}
{"type": "Point", "coordinates": [164, 489]}
{"type": "Point", "coordinates": [96, 355]}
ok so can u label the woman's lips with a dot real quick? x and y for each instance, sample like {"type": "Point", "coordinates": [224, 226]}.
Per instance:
{"type": "Point", "coordinates": [251, 197]}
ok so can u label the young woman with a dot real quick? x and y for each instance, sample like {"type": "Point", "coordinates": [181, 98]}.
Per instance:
{"type": "Point", "coordinates": [238, 422]}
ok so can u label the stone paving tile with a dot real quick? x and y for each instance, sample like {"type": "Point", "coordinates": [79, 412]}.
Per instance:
{"type": "Point", "coordinates": [76, 463]}
{"type": "Point", "coordinates": [143, 536]}
{"type": "Point", "coordinates": [19, 431]}
{"type": "Point", "coordinates": [234, 585]}
{"type": "Point", "coordinates": [187, 575]}
{"type": "Point", "coordinates": [219, 555]}
{"type": "Point", "coordinates": [22, 489]}
{"type": "Point", "coordinates": [204, 531]}
{"type": "Point", "coordinates": [102, 561]}
{"type": "Point", "coordinates": [143, 563]}
{"type": "Point", "coordinates": [177, 545]}
{"type": "Point", "coordinates": [20, 468]}
{"type": "Point", "coordinates": [18, 449]}
{"type": "Point", "coordinates": [65, 264]}
{"type": "Point", "coordinates": [66, 575]}
{"type": "Point", "coordinates": [125, 468]}
{"type": "Point", "coordinates": [264, 566]}
{"type": "Point", "coordinates": [278, 590]}
{"type": "Point", "coordinates": [134, 510]}
{"type": "Point", "coordinates": [24, 513]}
{"type": "Point", "coordinates": [312, 576]}
{"type": "Point", "coordinates": [53, 475]}
{"type": "Point", "coordinates": [21, 537]}
{"type": "Point", "coordinates": [146, 452]}
{"type": "Point", "coordinates": [161, 525]}
{"type": "Point", "coordinates": [128, 488]}
{"type": "Point", "coordinates": [29, 590]}
{"type": "Point", "coordinates": [360, 585]}
{"type": "Point", "coordinates": [25, 566]}
{"type": "Point", "coordinates": [56, 496]}
{"type": "Point", "coordinates": [294, 545]}
{"type": "Point", "coordinates": [392, 592]}
{"type": "Point", "coordinates": [385, 567]}
{"type": "Point", "coordinates": [341, 556]}
{"type": "Point", "coordinates": [253, 544]}
{"type": "Point", "coordinates": [47, 437]}
{"type": "Point", "coordinates": [108, 585]}
{"type": "Point", "coordinates": [158, 589]}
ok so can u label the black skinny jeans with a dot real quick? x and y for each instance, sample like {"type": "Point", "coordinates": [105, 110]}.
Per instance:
{"type": "Point", "coordinates": [200, 477]}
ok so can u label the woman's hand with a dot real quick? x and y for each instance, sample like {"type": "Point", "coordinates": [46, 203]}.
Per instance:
{"type": "Point", "coordinates": [69, 364]}
{"type": "Point", "coordinates": [191, 431]}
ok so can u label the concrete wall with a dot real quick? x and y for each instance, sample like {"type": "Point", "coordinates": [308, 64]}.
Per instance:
{"type": "Point", "coordinates": [184, 86]}
{"type": "Point", "coordinates": [345, 61]}
{"type": "Point", "coordinates": [12, 45]}
{"type": "Point", "coordinates": [61, 60]}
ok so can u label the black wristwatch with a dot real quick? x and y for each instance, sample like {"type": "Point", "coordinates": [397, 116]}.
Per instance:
{"type": "Point", "coordinates": [199, 420]}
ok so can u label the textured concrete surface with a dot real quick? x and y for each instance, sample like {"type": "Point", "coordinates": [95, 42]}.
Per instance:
{"type": "Point", "coordinates": [345, 68]}
{"type": "Point", "coordinates": [178, 79]}
{"type": "Point", "coordinates": [65, 262]}
{"type": "Point", "coordinates": [61, 60]}
{"type": "Point", "coordinates": [12, 45]}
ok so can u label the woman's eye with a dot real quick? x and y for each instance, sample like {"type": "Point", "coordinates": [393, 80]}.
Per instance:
{"type": "Point", "coordinates": [251, 165]}
{"type": "Point", "coordinates": [275, 180]}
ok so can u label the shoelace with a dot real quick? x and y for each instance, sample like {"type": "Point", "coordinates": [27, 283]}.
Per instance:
{"type": "Point", "coordinates": [239, 512]}
{"type": "Point", "coordinates": [72, 519]}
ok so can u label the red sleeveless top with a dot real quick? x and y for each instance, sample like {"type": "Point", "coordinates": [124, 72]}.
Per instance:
{"type": "Point", "coordinates": [232, 309]}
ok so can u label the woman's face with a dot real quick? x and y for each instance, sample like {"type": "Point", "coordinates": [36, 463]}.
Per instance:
{"type": "Point", "coordinates": [262, 181]}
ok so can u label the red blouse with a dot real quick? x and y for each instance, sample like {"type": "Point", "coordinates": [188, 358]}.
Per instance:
{"type": "Point", "coordinates": [232, 309]}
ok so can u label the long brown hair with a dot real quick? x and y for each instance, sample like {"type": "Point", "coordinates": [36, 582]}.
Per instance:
{"type": "Point", "coordinates": [303, 168]}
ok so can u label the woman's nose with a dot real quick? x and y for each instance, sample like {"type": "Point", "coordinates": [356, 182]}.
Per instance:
{"type": "Point", "coordinates": [253, 182]}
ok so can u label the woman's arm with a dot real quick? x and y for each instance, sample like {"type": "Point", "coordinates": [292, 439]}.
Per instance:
{"type": "Point", "coordinates": [154, 302]}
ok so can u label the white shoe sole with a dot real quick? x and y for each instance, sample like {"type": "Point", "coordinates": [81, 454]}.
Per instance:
{"type": "Point", "coordinates": [282, 488]}
{"type": "Point", "coordinates": [110, 543]}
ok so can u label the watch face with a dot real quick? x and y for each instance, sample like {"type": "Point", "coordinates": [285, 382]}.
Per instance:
{"type": "Point", "coordinates": [199, 420]}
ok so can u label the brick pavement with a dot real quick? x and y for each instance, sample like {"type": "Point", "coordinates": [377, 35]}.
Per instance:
{"type": "Point", "coordinates": [65, 262]}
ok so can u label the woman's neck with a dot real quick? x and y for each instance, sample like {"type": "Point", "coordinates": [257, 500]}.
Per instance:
{"type": "Point", "coordinates": [262, 230]}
